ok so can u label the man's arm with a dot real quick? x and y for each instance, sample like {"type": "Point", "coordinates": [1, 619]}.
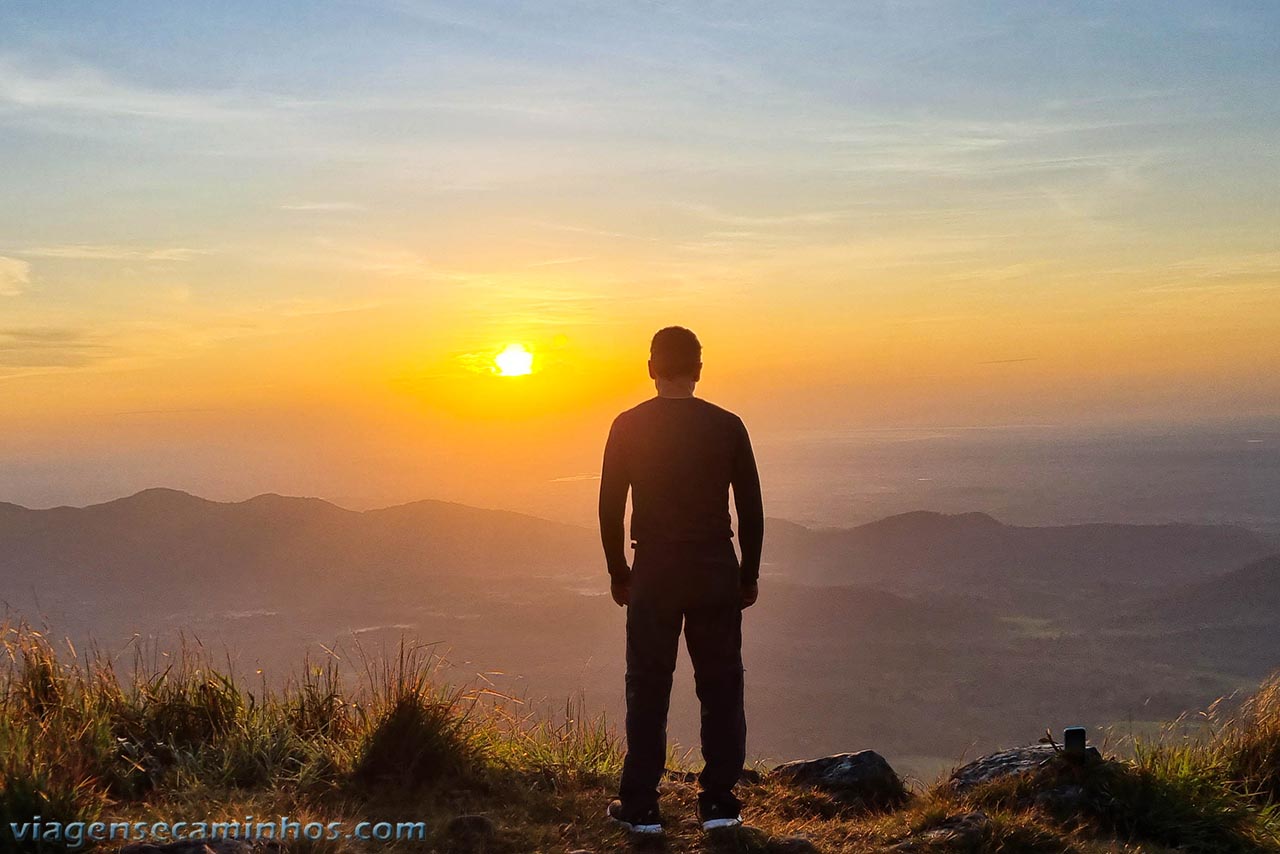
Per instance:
{"type": "Point", "coordinates": [614, 483]}
{"type": "Point", "coordinates": [750, 505]}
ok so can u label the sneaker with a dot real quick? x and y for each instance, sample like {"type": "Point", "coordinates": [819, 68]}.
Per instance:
{"type": "Point", "coordinates": [647, 821]}
{"type": "Point", "coordinates": [715, 813]}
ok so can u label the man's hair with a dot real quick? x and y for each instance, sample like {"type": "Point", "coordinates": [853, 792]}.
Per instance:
{"type": "Point", "coordinates": [675, 353]}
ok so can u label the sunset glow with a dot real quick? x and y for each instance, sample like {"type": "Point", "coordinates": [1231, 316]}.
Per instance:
{"type": "Point", "coordinates": [873, 215]}
{"type": "Point", "coordinates": [514, 361]}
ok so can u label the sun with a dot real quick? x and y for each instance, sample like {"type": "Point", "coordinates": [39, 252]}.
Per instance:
{"type": "Point", "coordinates": [514, 361]}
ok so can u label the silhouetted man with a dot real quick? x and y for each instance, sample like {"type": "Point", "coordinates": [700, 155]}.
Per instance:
{"type": "Point", "coordinates": [679, 455]}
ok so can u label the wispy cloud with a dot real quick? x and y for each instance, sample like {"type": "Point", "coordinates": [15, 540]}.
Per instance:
{"type": "Point", "coordinates": [716, 215]}
{"type": "Point", "coordinates": [371, 258]}
{"type": "Point", "coordinates": [86, 90]}
{"type": "Point", "coordinates": [505, 299]}
{"type": "Point", "coordinates": [15, 275]}
{"type": "Point", "coordinates": [322, 207]}
{"type": "Point", "coordinates": [1252, 273]}
{"type": "Point", "coordinates": [559, 262]}
{"type": "Point", "coordinates": [595, 232]}
{"type": "Point", "coordinates": [1000, 273]}
{"type": "Point", "coordinates": [48, 347]}
{"type": "Point", "coordinates": [1253, 264]}
{"type": "Point", "coordinates": [111, 252]}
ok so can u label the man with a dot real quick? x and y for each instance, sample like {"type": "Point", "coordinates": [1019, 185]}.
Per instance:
{"type": "Point", "coordinates": [679, 456]}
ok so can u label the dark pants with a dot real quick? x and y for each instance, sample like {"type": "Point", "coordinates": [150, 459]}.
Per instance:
{"type": "Point", "coordinates": [697, 585]}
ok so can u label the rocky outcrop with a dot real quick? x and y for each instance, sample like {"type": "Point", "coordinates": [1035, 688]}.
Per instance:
{"type": "Point", "coordinates": [863, 777]}
{"type": "Point", "coordinates": [1006, 763]}
{"type": "Point", "coordinates": [798, 844]}
{"type": "Point", "coordinates": [1017, 760]}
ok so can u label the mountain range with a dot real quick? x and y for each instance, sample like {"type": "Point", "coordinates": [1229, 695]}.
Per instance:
{"type": "Point", "coordinates": [959, 627]}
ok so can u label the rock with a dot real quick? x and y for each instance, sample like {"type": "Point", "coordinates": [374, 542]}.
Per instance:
{"type": "Point", "coordinates": [1005, 763]}
{"type": "Point", "coordinates": [792, 845]}
{"type": "Point", "coordinates": [1018, 760]}
{"type": "Point", "coordinates": [863, 777]}
{"type": "Point", "coordinates": [190, 846]}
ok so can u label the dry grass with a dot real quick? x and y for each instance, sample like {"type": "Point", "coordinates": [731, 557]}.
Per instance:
{"type": "Point", "coordinates": [180, 739]}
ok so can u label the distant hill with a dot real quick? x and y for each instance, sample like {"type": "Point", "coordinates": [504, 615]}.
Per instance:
{"type": "Point", "coordinates": [920, 629]}
{"type": "Point", "coordinates": [1249, 596]}
{"type": "Point", "coordinates": [162, 543]}
{"type": "Point", "coordinates": [165, 546]}
{"type": "Point", "coordinates": [924, 552]}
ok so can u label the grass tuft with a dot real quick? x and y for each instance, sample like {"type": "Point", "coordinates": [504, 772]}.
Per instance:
{"type": "Point", "coordinates": [180, 737]}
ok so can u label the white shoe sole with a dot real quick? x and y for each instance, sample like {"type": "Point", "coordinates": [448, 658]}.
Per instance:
{"type": "Point", "coordinates": [717, 823]}
{"type": "Point", "coordinates": [646, 829]}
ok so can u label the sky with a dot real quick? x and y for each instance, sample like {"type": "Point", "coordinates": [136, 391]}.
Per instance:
{"type": "Point", "coordinates": [275, 246]}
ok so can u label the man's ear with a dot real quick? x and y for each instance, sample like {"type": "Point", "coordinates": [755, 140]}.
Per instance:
{"type": "Point", "coordinates": [652, 374]}
{"type": "Point", "coordinates": [697, 374]}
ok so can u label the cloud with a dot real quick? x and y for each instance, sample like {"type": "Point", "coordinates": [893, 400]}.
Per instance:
{"type": "Point", "coordinates": [479, 363]}
{"type": "Point", "coordinates": [596, 232]}
{"type": "Point", "coordinates": [1245, 265]}
{"type": "Point", "coordinates": [370, 258]}
{"type": "Point", "coordinates": [559, 262]}
{"type": "Point", "coordinates": [323, 207]}
{"type": "Point", "coordinates": [15, 275]}
{"type": "Point", "coordinates": [48, 347]}
{"type": "Point", "coordinates": [86, 90]}
{"type": "Point", "coordinates": [713, 214]}
{"type": "Point", "coordinates": [109, 252]}
{"type": "Point", "coordinates": [574, 478]}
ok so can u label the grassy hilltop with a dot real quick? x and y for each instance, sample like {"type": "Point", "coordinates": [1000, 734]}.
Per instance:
{"type": "Point", "coordinates": [179, 739]}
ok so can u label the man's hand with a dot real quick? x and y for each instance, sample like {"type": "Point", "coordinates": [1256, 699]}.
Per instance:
{"type": "Point", "coordinates": [620, 590]}
{"type": "Point", "coordinates": [750, 593]}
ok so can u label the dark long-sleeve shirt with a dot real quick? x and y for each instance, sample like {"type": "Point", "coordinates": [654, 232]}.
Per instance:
{"type": "Point", "coordinates": [679, 456]}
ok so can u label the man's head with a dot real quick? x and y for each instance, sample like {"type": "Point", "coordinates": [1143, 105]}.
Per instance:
{"type": "Point", "coordinates": [675, 355]}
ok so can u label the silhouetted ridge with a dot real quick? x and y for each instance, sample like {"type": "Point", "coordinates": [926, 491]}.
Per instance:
{"type": "Point", "coordinates": [1260, 573]}
{"type": "Point", "coordinates": [929, 520]}
{"type": "Point", "coordinates": [277, 508]}
{"type": "Point", "coordinates": [156, 497]}
{"type": "Point", "coordinates": [924, 628]}
{"type": "Point", "coordinates": [445, 511]}
{"type": "Point", "coordinates": [145, 552]}
{"type": "Point", "coordinates": [166, 542]}
{"type": "Point", "coordinates": [277, 500]}
{"type": "Point", "coordinates": [928, 552]}
{"type": "Point", "coordinates": [1247, 596]}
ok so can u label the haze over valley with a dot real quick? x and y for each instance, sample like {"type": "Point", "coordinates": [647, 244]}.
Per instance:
{"type": "Point", "coordinates": [927, 636]}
